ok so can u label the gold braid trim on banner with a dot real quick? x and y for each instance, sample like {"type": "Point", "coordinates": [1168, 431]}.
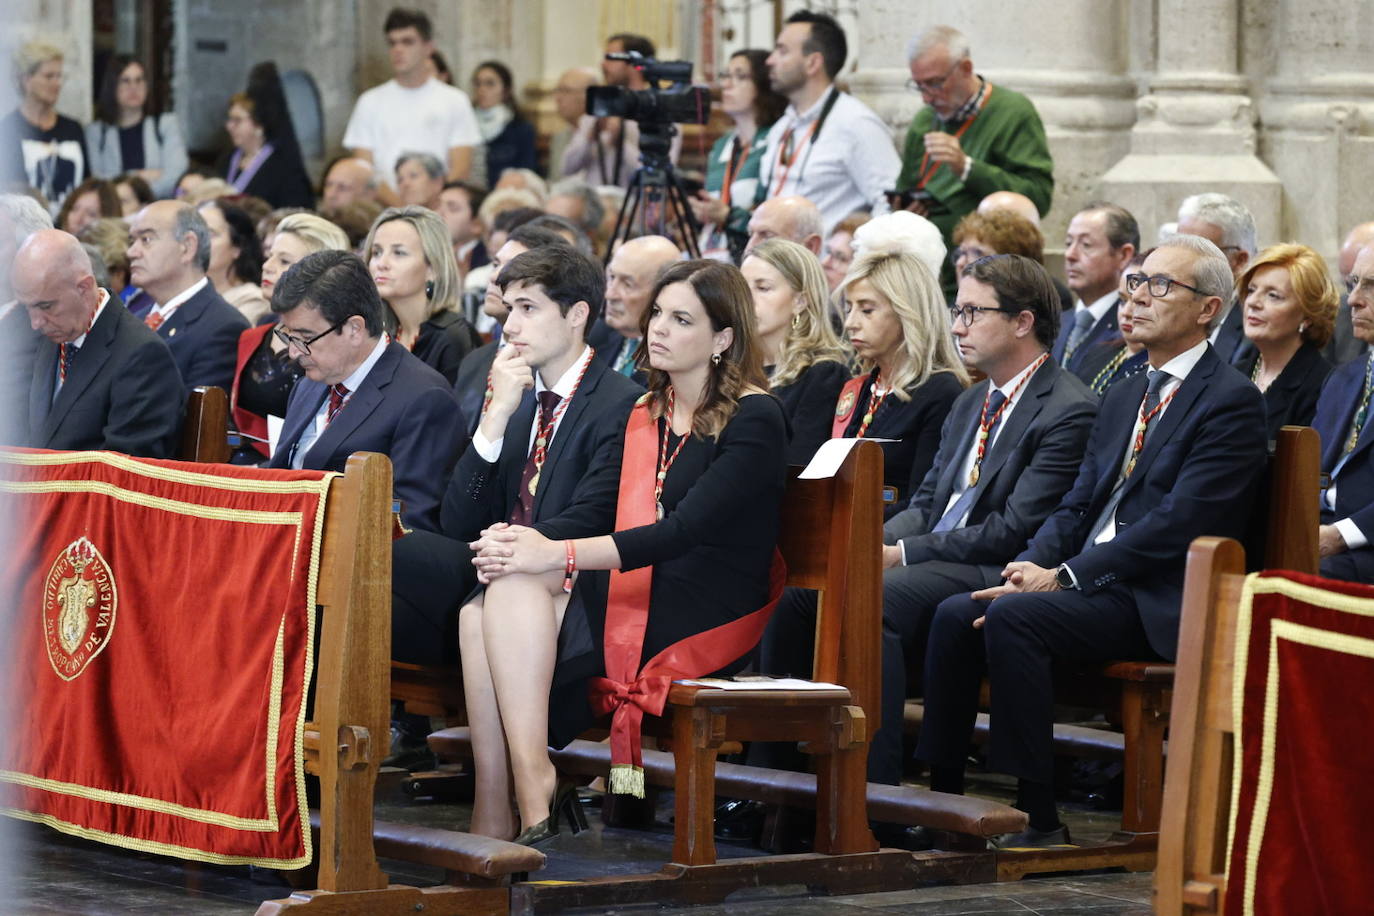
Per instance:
{"type": "Point", "coordinates": [164, 849]}
{"type": "Point", "coordinates": [172, 475]}
{"type": "Point", "coordinates": [1257, 584]}
{"type": "Point", "coordinates": [248, 516]}
{"type": "Point", "coordinates": [129, 800]}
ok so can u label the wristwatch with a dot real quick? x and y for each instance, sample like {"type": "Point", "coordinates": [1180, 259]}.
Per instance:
{"type": "Point", "coordinates": [1064, 578]}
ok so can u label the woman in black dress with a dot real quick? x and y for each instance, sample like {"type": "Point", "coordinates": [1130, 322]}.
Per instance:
{"type": "Point", "coordinates": [707, 444]}
{"type": "Point", "coordinates": [805, 361]}
{"type": "Point", "coordinates": [266, 160]}
{"type": "Point", "coordinates": [1290, 312]}
{"type": "Point", "coordinates": [411, 260]}
{"type": "Point", "coordinates": [897, 323]}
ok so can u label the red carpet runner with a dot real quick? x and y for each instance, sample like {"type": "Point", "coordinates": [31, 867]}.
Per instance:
{"type": "Point", "coordinates": [1303, 705]}
{"type": "Point", "coordinates": [162, 626]}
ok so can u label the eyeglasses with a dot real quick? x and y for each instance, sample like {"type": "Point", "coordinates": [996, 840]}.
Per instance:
{"type": "Point", "coordinates": [935, 85]}
{"type": "Point", "coordinates": [959, 253]}
{"type": "Point", "coordinates": [303, 343]}
{"type": "Point", "coordinates": [969, 312]}
{"type": "Point", "coordinates": [724, 75]}
{"type": "Point", "coordinates": [1160, 285]}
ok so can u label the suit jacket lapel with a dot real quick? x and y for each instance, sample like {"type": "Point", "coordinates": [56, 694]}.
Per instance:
{"type": "Point", "coordinates": [1122, 426]}
{"type": "Point", "coordinates": [358, 407]}
{"type": "Point", "coordinates": [1178, 409]}
{"type": "Point", "coordinates": [86, 364]}
{"type": "Point", "coordinates": [186, 314]}
{"type": "Point", "coordinates": [40, 392]}
{"type": "Point", "coordinates": [567, 424]}
{"type": "Point", "coordinates": [291, 434]}
{"type": "Point", "coordinates": [517, 438]}
{"type": "Point", "coordinates": [1032, 401]}
{"type": "Point", "coordinates": [1348, 399]}
{"type": "Point", "coordinates": [968, 422]}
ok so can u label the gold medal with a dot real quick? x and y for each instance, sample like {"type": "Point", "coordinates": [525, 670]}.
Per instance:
{"type": "Point", "coordinates": [658, 508]}
{"type": "Point", "coordinates": [534, 482]}
{"type": "Point", "coordinates": [973, 476]}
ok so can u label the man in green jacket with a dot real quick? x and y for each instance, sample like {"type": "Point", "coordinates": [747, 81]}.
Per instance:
{"type": "Point", "coordinates": [971, 139]}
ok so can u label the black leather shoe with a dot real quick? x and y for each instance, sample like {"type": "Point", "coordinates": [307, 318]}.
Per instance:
{"type": "Point", "coordinates": [740, 819]}
{"type": "Point", "coordinates": [1030, 838]}
{"type": "Point", "coordinates": [896, 836]}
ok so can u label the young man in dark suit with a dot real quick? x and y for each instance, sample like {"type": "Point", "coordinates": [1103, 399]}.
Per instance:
{"type": "Point", "coordinates": [552, 292]}
{"type": "Point", "coordinates": [361, 392]}
{"type": "Point", "coordinates": [1174, 454]}
{"type": "Point", "coordinates": [169, 252]}
{"type": "Point", "coordinates": [98, 378]}
{"type": "Point", "coordinates": [1099, 243]}
{"type": "Point", "coordinates": [1342, 421]}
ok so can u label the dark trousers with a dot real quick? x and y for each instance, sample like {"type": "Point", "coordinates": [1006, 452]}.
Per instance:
{"type": "Point", "coordinates": [1351, 566]}
{"type": "Point", "coordinates": [1023, 635]}
{"type": "Point", "coordinates": [430, 577]}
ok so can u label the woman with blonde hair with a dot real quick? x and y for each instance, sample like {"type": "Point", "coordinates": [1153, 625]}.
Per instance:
{"type": "Point", "coordinates": [264, 374]}
{"type": "Point", "coordinates": [898, 325]}
{"type": "Point", "coordinates": [1290, 312]}
{"type": "Point", "coordinates": [41, 148]}
{"type": "Point", "coordinates": [410, 257]}
{"type": "Point", "coordinates": [805, 361]}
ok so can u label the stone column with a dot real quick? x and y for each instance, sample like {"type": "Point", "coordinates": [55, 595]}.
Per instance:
{"type": "Point", "coordinates": [1195, 129]}
{"type": "Point", "coordinates": [1069, 57]}
{"type": "Point", "coordinates": [1315, 70]}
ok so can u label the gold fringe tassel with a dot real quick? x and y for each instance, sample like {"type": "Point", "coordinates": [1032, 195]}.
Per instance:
{"type": "Point", "coordinates": [627, 779]}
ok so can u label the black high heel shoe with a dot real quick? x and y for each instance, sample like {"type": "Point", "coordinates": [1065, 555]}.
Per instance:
{"type": "Point", "coordinates": [564, 805]}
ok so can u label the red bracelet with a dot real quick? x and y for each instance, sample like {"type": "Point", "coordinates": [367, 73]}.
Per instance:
{"type": "Point", "coordinates": [570, 566]}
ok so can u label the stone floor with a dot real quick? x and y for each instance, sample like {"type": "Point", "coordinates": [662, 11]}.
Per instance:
{"type": "Point", "coordinates": [68, 876]}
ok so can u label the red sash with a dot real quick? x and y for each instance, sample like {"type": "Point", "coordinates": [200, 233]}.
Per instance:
{"type": "Point", "coordinates": [844, 407]}
{"type": "Point", "coordinates": [622, 693]}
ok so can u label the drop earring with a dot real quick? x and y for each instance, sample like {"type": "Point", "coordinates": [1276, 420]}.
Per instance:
{"type": "Point", "coordinates": [715, 359]}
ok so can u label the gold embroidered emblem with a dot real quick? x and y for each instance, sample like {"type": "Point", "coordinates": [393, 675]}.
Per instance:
{"type": "Point", "coordinates": [79, 600]}
{"type": "Point", "coordinates": [846, 405]}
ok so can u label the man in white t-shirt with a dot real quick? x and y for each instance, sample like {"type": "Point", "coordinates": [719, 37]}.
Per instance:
{"type": "Point", "coordinates": [413, 111]}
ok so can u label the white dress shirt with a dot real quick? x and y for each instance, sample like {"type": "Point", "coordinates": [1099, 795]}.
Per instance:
{"type": "Point", "coordinates": [166, 309]}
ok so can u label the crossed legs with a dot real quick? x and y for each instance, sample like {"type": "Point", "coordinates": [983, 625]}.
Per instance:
{"type": "Point", "coordinates": [508, 639]}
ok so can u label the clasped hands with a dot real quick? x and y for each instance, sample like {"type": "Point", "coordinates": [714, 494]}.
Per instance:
{"type": "Point", "coordinates": [1018, 576]}
{"type": "Point", "coordinates": [504, 548]}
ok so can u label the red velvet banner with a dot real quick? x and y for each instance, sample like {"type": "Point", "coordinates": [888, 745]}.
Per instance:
{"type": "Point", "coordinates": [1304, 700]}
{"type": "Point", "coordinates": [162, 630]}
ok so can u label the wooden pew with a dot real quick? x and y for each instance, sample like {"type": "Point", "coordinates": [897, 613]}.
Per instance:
{"type": "Point", "coordinates": [1190, 876]}
{"type": "Point", "coordinates": [203, 429]}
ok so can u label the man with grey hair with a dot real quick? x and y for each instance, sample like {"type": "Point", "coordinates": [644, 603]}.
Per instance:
{"type": "Point", "coordinates": [97, 378]}
{"type": "Point", "coordinates": [793, 218]}
{"type": "Point", "coordinates": [169, 252]}
{"type": "Point", "coordinates": [20, 217]}
{"type": "Point", "coordinates": [575, 200]}
{"type": "Point", "coordinates": [1227, 224]}
{"type": "Point", "coordinates": [1175, 453]}
{"type": "Point", "coordinates": [1345, 344]}
{"type": "Point", "coordinates": [970, 139]}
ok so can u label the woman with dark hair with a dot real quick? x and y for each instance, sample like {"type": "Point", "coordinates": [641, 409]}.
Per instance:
{"type": "Point", "coordinates": [127, 135]}
{"type": "Point", "coordinates": [89, 201]}
{"type": "Point", "coordinates": [507, 138]}
{"type": "Point", "coordinates": [266, 160]}
{"type": "Point", "coordinates": [134, 193]}
{"type": "Point", "coordinates": [732, 168]}
{"type": "Point", "coordinates": [235, 258]}
{"type": "Point", "coordinates": [701, 485]}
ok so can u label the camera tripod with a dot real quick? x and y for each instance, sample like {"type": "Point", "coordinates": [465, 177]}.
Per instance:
{"type": "Point", "coordinates": [655, 196]}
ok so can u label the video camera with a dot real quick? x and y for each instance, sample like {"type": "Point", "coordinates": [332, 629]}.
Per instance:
{"type": "Point", "coordinates": [680, 103]}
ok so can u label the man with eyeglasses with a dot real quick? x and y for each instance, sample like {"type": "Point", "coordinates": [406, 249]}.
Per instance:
{"type": "Point", "coordinates": [828, 146]}
{"type": "Point", "coordinates": [1344, 344]}
{"type": "Point", "coordinates": [1174, 454]}
{"type": "Point", "coordinates": [362, 392]}
{"type": "Point", "coordinates": [1226, 223]}
{"type": "Point", "coordinates": [971, 139]}
{"type": "Point", "coordinates": [1342, 421]}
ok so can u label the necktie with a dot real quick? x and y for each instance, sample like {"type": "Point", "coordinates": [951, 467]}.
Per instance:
{"type": "Point", "coordinates": [950, 520]}
{"type": "Point", "coordinates": [1108, 514]}
{"type": "Point", "coordinates": [625, 361]}
{"type": "Point", "coordinates": [65, 354]}
{"type": "Point", "coordinates": [154, 319]}
{"type": "Point", "coordinates": [1083, 322]}
{"type": "Point", "coordinates": [523, 511]}
{"type": "Point", "coordinates": [338, 394]}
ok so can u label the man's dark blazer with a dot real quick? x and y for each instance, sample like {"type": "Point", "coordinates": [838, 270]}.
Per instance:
{"type": "Point", "coordinates": [1354, 482]}
{"type": "Point", "coordinates": [1196, 475]}
{"type": "Point", "coordinates": [1085, 361]}
{"type": "Point", "coordinates": [403, 409]}
{"type": "Point", "coordinates": [1030, 466]}
{"type": "Point", "coordinates": [577, 492]}
{"type": "Point", "coordinates": [123, 392]}
{"type": "Point", "coordinates": [470, 387]}
{"type": "Point", "coordinates": [203, 334]}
